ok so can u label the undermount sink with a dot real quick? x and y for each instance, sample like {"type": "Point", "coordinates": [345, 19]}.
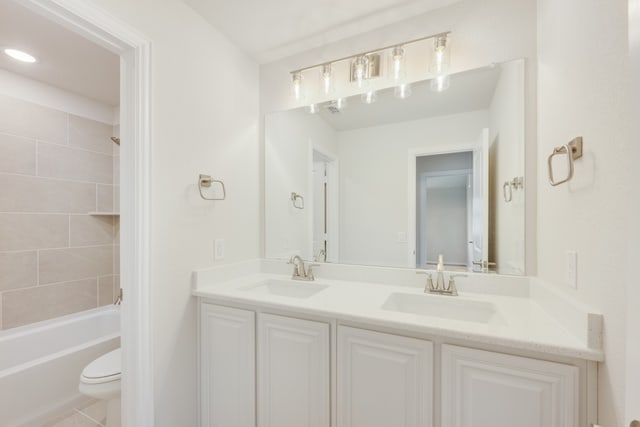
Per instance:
{"type": "Point", "coordinates": [286, 288]}
{"type": "Point", "coordinates": [443, 307]}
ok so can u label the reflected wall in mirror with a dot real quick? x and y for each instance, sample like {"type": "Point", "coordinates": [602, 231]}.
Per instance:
{"type": "Point", "coordinates": [401, 181]}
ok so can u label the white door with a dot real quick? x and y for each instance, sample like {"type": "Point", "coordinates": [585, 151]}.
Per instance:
{"type": "Point", "coordinates": [480, 210]}
{"type": "Point", "coordinates": [486, 389]}
{"type": "Point", "coordinates": [383, 380]}
{"type": "Point", "coordinates": [227, 367]}
{"type": "Point", "coordinates": [293, 372]}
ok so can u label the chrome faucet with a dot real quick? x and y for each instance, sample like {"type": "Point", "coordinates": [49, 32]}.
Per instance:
{"type": "Point", "coordinates": [439, 287]}
{"type": "Point", "coordinates": [299, 271]}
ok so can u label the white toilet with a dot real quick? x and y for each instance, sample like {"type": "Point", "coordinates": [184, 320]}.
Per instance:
{"type": "Point", "coordinates": [100, 379]}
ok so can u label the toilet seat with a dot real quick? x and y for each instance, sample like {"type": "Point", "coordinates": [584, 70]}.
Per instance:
{"type": "Point", "coordinates": [106, 368]}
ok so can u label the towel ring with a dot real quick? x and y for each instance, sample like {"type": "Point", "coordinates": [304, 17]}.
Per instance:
{"type": "Point", "coordinates": [573, 151]}
{"type": "Point", "coordinates": [206, 181]}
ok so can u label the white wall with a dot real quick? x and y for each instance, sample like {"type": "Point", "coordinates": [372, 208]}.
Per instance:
{"type": "Point", "coordinates": [506, 136]}
{"type": "Point", "coordinates": [374, 177]}
{"type": "Point", "coordinates": [288, 154]}
{"type": "Point", "coordinates": [205, 120]}
{"type": "Point", "coordinates": [484, 32]}
{"type": "Point", "coordinates": [583, 90]}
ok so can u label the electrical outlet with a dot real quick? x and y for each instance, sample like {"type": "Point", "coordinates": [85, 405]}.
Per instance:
{"type": "Point", "coordinates": [218, 253]}
{"type": "Point", "coordinates": [572, 269]}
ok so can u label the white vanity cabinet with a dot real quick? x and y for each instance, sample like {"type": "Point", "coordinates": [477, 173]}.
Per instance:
{"type": "Point", "coordinates": [294, 372]}
{"type": "Point", "coordinates": [227, 367]}
{"type": "Point", "coordinates": [383, 380]}
{"type": "Point", "coordinates": [487, 389]}
{"type": "Point", "coordinates": [297, 367]}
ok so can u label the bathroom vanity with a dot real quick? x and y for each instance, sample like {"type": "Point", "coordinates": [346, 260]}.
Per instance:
{"type": "Point", "coordinates": [366, 347]}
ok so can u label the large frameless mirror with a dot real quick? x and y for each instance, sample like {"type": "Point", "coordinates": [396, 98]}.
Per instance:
{"type": "Point", "coordinates": [399, 181]}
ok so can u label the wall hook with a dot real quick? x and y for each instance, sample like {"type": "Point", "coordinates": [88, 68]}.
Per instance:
{"type": "Point", "coordinates": [206, 181]}
{"type": "Point", "coordinates": [573, 151]}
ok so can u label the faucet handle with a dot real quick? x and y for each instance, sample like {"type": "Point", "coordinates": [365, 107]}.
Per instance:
{"type": "Point", "coordinates": [451, 286]}
{"type": "Point", "coordinates": [310, 270]}
{"type": "Point", "coordinates": [429, 285]}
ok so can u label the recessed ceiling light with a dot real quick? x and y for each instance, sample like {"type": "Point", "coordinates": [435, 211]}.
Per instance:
{"type": "Point", "coordinates": [20, 55]}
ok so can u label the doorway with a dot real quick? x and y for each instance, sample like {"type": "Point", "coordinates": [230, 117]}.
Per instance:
{"type": "Point", "coordinates": [134, 51]}
{"type": "Point", "coordinates": [444, 209]}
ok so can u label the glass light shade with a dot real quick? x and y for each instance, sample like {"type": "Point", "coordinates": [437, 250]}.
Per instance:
{"type": "Point", "coordinates": [360, 71]}
{"type": "Point", "coordinates": [296, 85]}
{"type": "Point", "coordinates": [402, 91]}
{"type": "Point", "coordinates": [397, 66]}
{"type": "Point", "coordinates": [440, 56]}
{"type": "Point", "coordinates": [326, 79]}
{"type": "Point", "coordinates": [440, 83]}
{"type": "Point", "coordinates": [369, 97]}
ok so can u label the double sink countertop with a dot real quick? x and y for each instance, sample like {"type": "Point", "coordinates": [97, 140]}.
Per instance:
{"type": "Point", "coordinates": [488, 310]}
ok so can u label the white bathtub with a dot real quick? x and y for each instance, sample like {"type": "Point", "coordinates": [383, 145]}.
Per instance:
{"type": "Point", "coordinates": [40, 364]}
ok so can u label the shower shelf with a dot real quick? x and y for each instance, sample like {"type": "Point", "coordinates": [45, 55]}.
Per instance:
{"type": "Point", "coordinates": [102, 213]}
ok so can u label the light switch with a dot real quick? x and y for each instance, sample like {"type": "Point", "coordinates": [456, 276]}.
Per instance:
{"type": "Point", "coordinates": [218, 249]}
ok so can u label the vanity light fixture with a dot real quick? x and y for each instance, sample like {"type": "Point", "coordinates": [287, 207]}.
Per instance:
{"type": "Point", "coordinates": [402, 91]}
{"type": "Point", "coordinates": [296, 85]}
{"type": "Point", "coordinates": [326, 76]}
{"type": "Point", "coordinates": [20, 55]}
{"type": "Point", "coordinates": [365, 66]}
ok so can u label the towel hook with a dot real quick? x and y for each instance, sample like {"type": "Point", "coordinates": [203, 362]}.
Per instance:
{"type": "Point", "coordinates": [206, 181]}
{"type": "Point", "coordinates": [573, 151]}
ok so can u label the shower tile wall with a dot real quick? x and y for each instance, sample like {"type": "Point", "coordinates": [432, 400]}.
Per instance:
{"type": "Point", "coordinates": [55, 168]}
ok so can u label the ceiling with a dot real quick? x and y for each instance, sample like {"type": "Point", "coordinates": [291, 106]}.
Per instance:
{"type": "Point", "coordinates": [469, 91]}
{"type": "Point", "coordinates": [65, 59]}
{"type": "Point", "coordinates": [274, 29]}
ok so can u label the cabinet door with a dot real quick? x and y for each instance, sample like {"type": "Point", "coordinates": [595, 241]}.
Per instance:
{"type": "Point", "coordinates": [227, 367]}
{"type": "Point", "coordinates": [293, 372]}
{"type": "Point", "coordinates": [384, 380]}
{"type": "Point", "coordinates": [486, 389]}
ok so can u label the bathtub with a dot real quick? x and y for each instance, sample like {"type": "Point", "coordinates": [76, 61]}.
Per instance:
{"type": "Point", "coordinates": [40, 364]}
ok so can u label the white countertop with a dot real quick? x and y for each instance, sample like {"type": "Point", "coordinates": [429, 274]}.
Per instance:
{"type": "Point", "coordinates": [521, 322]}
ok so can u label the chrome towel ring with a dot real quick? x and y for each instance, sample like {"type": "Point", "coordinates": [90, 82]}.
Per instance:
{"type": "Point", "coordinates": [573, 151]}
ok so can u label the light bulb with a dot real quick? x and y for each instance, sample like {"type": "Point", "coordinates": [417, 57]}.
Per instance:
{"type": "Point", "coordinates": [326, 78]}
{"type": "Point", "coordinates": [369, 97]}
{"type": "Point", "coordinates": [397, 68]}
{"type": "Point", "coordinates": [440, 56]}
{"type": "Point", "coordinates": [313, 109]}
{"type": "Point", "coordinates": [440, 83]}
{"type": "Point", "coordinates": [296, 85]}
{"type": "Point", "coordinates": [360, 70]}
{"type": "Point", "coordinates": [402, 91]}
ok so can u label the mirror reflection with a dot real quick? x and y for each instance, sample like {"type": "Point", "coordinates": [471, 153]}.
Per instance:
{"type": "Point", "coordinates": [400, 181]}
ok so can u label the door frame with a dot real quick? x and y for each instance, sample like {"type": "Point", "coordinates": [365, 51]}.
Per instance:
{"type": "Point", "coordinates": [134, 49]}
{"type": "Point", "coordinates": [413, 154]}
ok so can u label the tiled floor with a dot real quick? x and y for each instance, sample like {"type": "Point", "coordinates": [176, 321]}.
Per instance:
{"type": "Point", "coordinates": [93, 414]}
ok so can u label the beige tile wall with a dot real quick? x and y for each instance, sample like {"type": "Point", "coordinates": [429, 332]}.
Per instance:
{"type": "Point", "coordinates": [55, 258]}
